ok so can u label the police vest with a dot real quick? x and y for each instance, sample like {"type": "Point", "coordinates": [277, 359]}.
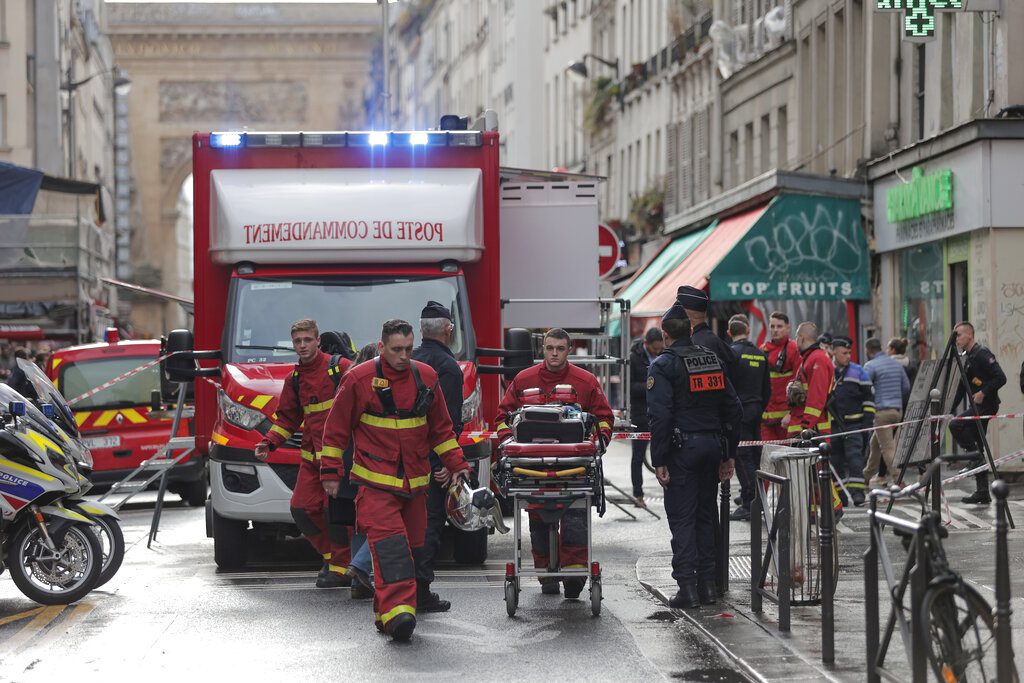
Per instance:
{"type": "Point", "coordinates": [701, 384]}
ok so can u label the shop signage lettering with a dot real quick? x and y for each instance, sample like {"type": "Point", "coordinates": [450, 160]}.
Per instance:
{"type": "Point", "coordinates": [309, 231]}
{"type": "Point", "coordinates": [924, 194]}
{"type": "Point", "coordinates": [796, 289]}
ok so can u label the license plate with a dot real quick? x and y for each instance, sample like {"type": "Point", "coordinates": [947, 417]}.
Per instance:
{"type": "Point", "coordinates": [102, 441]}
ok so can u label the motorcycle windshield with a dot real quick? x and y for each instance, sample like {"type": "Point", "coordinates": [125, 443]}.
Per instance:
{"type": "Point", "coordinates": [47, 393]}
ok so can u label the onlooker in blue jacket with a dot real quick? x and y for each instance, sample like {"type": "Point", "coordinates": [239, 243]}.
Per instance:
{"type": "Point", "coordinates": [891, 387]}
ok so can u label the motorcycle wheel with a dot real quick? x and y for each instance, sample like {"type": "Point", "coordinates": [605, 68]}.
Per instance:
{"type": "Point", "coordinates": [60, 581]}
{"type": "Point", "coordinates": [111, 538]}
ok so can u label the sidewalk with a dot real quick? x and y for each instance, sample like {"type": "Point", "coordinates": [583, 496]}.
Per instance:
{"type": "Point", "coordinates": [754, 642]}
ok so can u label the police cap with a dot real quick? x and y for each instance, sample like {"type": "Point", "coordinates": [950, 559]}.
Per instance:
{"type": "Point", "coordinates": [692, 299]}
{"type": "Point", "coordinates": [435, 310]}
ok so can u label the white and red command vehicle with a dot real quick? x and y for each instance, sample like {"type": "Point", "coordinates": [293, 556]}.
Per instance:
{"type": "Point", "coordinates": [118, 423]}
{"type": "Point", "coordinates": [351, 229]}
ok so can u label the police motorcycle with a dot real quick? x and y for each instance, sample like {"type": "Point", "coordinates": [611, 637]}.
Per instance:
{"type": "Point", "coordinates": [51, 551]}
{"type": "Point", "coordinates": [106, 522]}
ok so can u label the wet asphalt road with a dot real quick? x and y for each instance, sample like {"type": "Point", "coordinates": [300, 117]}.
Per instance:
{"type": "Point", "coordinates": [169, 614]}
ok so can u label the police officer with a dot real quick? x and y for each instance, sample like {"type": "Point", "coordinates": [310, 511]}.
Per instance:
{"type": "Point", "coordinates": [695, 418]}
{"type": "Point", "coordinates": [985, 377]}
{"type": "Point", "coordinates": [438, 329]}
{"type": "Point", "coordinates": [852, 404]}
{"type": "Point", "coordinates": [696, 303]}
{"type": "Point", "coordinates": [754, 389]}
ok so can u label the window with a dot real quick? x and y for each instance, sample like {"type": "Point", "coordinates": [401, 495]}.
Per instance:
{"type": "Point", "coordinates": [748, 151]}
{"type": "Point", "coordinates": [3, 21]}
{"type": "Point", "coordinates": [766, 143]}
{"type": "Point", "coordinates": [734, 154]}
{"type": "Point", "coordinates": [3, 120]}
{"type": "Point", "coordinates": [782, 137]}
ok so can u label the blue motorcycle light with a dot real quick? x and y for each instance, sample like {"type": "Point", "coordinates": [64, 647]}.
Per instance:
{"type": "Point", "coordinates": [17, 408]}
{"type": "Point", "coordinates": [48, 410]}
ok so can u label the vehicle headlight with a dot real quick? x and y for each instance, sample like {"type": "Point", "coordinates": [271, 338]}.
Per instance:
{"type": "Point", "coordinates": [237, 414]}
{"type": "Point", "coordinates": [471, 405]}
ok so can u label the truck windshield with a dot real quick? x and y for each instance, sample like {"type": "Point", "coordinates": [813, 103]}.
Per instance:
{"type": "Point", "coordinates": [81, 376]}
{"type": "Point", "coordinates": [263, 310]}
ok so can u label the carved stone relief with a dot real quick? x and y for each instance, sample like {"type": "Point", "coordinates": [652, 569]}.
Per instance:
{"type": "Point", "coordinates": [173, 153]}
{"type": "Point", "coordinates": [232, 101]}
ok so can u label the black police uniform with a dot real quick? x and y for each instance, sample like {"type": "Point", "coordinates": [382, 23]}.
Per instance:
{"type": "Point", "coordinates": [449, 378]}
{"type": "Point", "coordinates": [695, 418]}
{"type": "Point", "coordinates": [753, 386]}
{"type": "Point", "coordinates": [639, 363]}
{"type": "Point", "coordinates": [983, 374]}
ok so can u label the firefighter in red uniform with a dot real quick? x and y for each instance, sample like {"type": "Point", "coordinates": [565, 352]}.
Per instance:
{"type": "Point", "coordinates": [783, 360]}
{"type": "Point", "coordinates": [393, 413]}
{"type": "Point", "coordinates": [541, 384]}
{"type": "Point", "coordinates": [304, 403]}
{"type": "Point", "coordinates": [809, 392]}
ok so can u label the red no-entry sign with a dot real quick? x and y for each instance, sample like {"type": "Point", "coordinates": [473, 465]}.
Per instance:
{"type": "Point", "coordinates": [608, 252]}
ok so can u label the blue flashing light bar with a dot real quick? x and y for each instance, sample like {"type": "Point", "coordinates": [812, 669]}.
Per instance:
{"type": "Point", "coordinates": [418, 138]}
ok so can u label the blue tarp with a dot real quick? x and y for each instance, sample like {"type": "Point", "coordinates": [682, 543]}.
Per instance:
{"type": "Point", "coordinates": [18, 188]}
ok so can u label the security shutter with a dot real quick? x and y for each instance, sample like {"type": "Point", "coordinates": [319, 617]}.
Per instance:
{"type": "Point", "coordinates": [701, 190]}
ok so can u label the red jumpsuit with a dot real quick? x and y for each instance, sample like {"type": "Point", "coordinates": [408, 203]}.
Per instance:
{"type": "Point", "coordinates": [817, 374]}
{"type": "Point", "coordinates": [390, 464]}
{"type": "Point", "coordinates": [778, 408]}
{"type": "Point", "coordinates": [308, 410]}
{"type": "Point", "coordinates": [573, 541]}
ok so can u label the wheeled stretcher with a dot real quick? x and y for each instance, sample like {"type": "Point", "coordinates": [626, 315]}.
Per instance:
{"type": "Point", "coordinates": [551, 465]}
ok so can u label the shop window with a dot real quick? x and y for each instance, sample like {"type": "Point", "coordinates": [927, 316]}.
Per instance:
{"type": "Point", "coordinates": [922, 318]}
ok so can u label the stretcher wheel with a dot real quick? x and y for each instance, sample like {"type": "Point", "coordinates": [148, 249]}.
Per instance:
{"type": "Point", "coordinates": [595, 596]}
{"type": "Point", "coordinates": [511, 596]}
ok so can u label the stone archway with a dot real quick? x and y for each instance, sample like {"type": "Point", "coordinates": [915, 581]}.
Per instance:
{"type": "Point", "coordinates": [203, 67]}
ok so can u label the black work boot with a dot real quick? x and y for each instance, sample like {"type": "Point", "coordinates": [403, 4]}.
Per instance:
{"type": "Point", "coordinates": [707, 592]}
{"type": "Point", "coordinates": [360, 579]}
{"type": "Point", "coordinates": [333, 580]}
{"type": "Point", "coordinates": [573, 587]}
{"type": "Point", "coordinates": [429, 602]}
{"type": "Point", "coordinates": [361, 592]}
{"type": "Point", "coordinates": [980, 495]}
{"type": "Point", "coordinates": [550, 587]}
{"type": "Point", "coordinates": [400, 628]}
{"type": "Point", "coordinates": [686, 597]}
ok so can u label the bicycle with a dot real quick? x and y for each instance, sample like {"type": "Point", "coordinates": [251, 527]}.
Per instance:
{"type": "Point", "coordinates": [951, 626]}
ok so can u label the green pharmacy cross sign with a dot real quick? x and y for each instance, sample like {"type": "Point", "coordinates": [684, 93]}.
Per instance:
{"type": "Point", "coordinates": [919, 15]}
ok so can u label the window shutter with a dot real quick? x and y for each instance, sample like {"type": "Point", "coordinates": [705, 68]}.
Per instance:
{"type": "Point", "coordinates": [686, 164]}
{"type": "Point", "coordinates": [703, 157]}
{"type": "Point", "coordinates": [671, 169]}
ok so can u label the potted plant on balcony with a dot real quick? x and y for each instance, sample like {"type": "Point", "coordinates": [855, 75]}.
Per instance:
{"type": "Point", "coordinates": [597, 114]}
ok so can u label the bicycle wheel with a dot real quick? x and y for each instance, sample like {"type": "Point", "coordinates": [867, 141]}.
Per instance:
{"type": "Point", "coordinates": [960, 636]}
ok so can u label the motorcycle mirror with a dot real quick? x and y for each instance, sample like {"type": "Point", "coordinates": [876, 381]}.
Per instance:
{"type": "Point", "coordinates": [48, 410]}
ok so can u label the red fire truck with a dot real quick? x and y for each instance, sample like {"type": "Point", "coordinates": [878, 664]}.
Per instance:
{"type": "Point", "coordinates": [351, 229]}
{"type": "Point", "coordinates": [118, 424]}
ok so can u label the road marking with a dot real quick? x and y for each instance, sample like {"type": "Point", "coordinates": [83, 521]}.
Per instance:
{"type": "Point", "coordinates": [77, 614]}
{"type": "Point", "coordinates": [982, 524]}
{"type": "Point", "coordinates": [33, 628]}
{"type": "Point", "coordinates": [21, 615]}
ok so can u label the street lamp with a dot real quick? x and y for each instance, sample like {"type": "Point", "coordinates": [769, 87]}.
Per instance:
{"type": "Point", "coordinates": [122, 85]}
{"type": "Point", "coordinates": [580, 67]}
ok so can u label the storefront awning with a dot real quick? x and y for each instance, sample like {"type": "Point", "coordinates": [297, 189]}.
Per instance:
{"type": "Point", "coordinates": [671, 255]}
{"type": "Point", "coordinates": [802, 247]}
{"type": "Point", "coordinates": [696, 268]}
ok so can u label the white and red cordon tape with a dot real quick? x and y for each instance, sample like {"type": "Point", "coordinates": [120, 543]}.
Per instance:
{"type": "Point", "coordinates": [120, 378]}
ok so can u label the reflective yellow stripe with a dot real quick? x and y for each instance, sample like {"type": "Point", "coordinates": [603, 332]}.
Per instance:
{"type": "Point", "coordinates": [332, 452]}
{"type": "Point", "coordinates": [260, 401]}
{"type": "Point", "coordinates": [56, 362]}
{"type": "Point", "coordinates": [104, 419]}
{"type": "Point", "coordinates": [81, 417]}
{"type": "Point", "coordinates": [777, 375]}
{"type": "Point", "coordinates": [43, 442]}
{"type": "Point", "coordinates": [419, 482]}
{"type": "Point", "coordinates": [401, 609]}
{"type": "Point", "coordinates": [306, 455]}
{"type": "Point", "coordinates": [446, 446]}
{"type": "Point", "coordinates": [774, 414]}
{"type": "Point", "coordinates": [336, 569]}
{"type": "Point", "coordinates": [855, 416]}
{"type": "Point", "coordinates": [794, 429]}
{"type": "Point", "coordinates": [813, 412]}
{"type": "Point", "coordinates": [387, 480]}
{"type": "Point", "coordinates": [219, 439]}
{"type": "Point", "coordinates": [392, 423]}
{"type": "Point", "coordinates": [869, 409]}
{"type": "Point", "coordinates": [7, 464]}
{"type": "Point", "coordinates": [574, 566]}
{"type": "Point", "coordinates": [751, 356]}
{"type": "Point", "coordinates": [604, 425]}
{"type": "Point", "coordinates": [318, 407]}
{"type": "Point", "coordinates": [134, 416]}
{"type": "Point", "coordinates": [281, 431]}
{"type": "Point", "coordinates": [327, 556]}
{"type": "Point", "coordinates": [501, 425]}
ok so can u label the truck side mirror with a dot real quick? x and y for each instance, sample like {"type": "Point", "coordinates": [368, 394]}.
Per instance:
{"type": "Point", "coordinates": [180, 368]}
{"type": "Point", "coordinates": [519, 345]}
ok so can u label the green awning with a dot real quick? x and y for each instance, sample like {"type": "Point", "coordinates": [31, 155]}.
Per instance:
{"type": "Point", "coordinates": [803, 247]}
{"type": "Point", "coordinates": [668, 258]}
